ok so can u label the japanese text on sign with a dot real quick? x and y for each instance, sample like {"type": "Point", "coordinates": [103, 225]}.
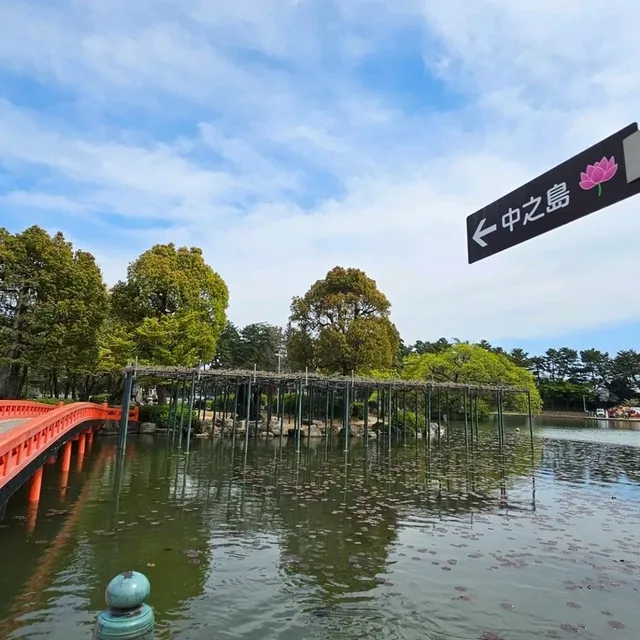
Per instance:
{"type": "Point", "coordinates": [558, 197]}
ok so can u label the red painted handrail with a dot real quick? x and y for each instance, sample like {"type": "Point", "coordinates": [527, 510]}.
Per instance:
{"type": "Point", "coordinates": [23, 443]}
{"type": "Point", "coordinates": [12, 409]}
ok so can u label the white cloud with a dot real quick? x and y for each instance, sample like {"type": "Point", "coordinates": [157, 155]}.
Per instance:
{"type": "Point", "coordinates": [286, 164]}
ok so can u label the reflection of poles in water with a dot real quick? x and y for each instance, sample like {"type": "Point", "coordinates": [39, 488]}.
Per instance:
{"type": "Point", "coordinates": [504, 500]}
{"type": "Point", "coordinates": [117, 484]}
{"type": "Point", "coordinates": [533, 489]}
{"type": "Point", "coordinates": [184, 476]}
{"type": "Point", "coordinates": [346, 474]}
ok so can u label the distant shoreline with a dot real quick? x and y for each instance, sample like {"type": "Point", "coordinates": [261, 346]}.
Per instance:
{"type": "Point", "coordinates": [569, 415]}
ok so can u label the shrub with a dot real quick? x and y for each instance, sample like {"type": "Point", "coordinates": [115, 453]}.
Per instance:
{"type": "Point", "coordinates": [100, 398]}
{"type": "Point", "coordinates": [408, 422]}
{"type": "Point", "coordinates": [159, 415]}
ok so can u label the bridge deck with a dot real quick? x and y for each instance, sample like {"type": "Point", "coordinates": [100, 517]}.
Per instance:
{"type": "Point", "coordinates": [6, 425]}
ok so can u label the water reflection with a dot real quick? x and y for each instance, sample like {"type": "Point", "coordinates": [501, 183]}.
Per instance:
{"type": "Point", "coordinates": [400, 541]}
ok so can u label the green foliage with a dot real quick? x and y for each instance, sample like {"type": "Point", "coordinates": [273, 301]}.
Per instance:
{"type": "Point", "coordinates": [173, 304]}
{"type": "Point", "coordinates": [53, 400]}
{"type": "Point", "coordinates": [342, 325]}
{"type": "Point", "coordinates": [408, 421]}
{"type": "Point", "coordinates": [159, 415]}
{"type": "Point", "coordinates": [100, 398]}
{"type": "Point", "coordinates": [472, 364]}
{"type": "Point", "coordinates": [256, 344]}
{"type": "Point", "coordinates": [52, 304]}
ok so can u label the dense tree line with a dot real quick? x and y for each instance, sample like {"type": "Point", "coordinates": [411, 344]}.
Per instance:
{"type": "Point", "coordinates": [64, 333]}
{"type": "Point", "coordinates": [568, 379]}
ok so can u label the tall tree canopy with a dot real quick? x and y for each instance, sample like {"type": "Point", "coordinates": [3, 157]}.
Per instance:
{"type": "Point", "coordinates": [342, 325]}
{"type": "Point", "coordinates": [174, 304]}
{"type": "Point", "coordinates": [256, 344]}
{"type": "Point", "coordinates": [465, 363]}
{"type": "Point", "coordinates": [53, 302]}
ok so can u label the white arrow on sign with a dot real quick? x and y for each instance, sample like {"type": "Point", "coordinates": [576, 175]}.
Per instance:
{"type": "Point", "coordinates": [481, 232]}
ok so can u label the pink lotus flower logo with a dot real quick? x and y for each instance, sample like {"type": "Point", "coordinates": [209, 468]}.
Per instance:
{"type": "Point", "coordinates": [598, 173]}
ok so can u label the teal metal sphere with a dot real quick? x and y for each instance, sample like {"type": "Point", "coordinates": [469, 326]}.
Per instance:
{"type": "Point", "coordinates": [127, 590]}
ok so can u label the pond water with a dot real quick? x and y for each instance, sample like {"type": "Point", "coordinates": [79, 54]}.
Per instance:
{"type": "Point", "coordinates": [385, 543]}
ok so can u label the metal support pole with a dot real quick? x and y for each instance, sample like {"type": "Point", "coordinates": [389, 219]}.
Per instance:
{"type": "Point", "coordinates": [427, 421]}
{"type": "Point", "coordinates": [389, 418]}
{"type": "Point", "coordinates": [333, 406]}
{"type": "Point", "coordinates": [124, 413]}
{"type": "Point", "coordinates": [530, 420]}
{"type": "Point", "coordinates": [365, 415]}
{"type": "Point", "coordinates": [190, 416]}
{"type": "Point", "coordinates": [347, 415]}
{"type": "Point", "coordinates": [466, 418]}
{"type": "Point", "coordinates": [446, 404]}
{"type": "Point", "coordinates": [309, 411]}
{"type": "Point", "coordinates": [299, 416]}
{"type": "Point", "coordinates": [214, 401]}
{"type": "Point", "coordinates": [326, 418]}
{"type": "Point", "coordinates": [281, 392]}
{"type": "Point", "coordinates": [248, 418]}
{"type": "Point", "coordinates": [184, 386]}
{"type": "Point", "coordinates": [404, 417]}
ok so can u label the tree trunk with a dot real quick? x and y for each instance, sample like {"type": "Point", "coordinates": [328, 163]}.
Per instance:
{"type": "Point", "coordinates": [56, 385]}
{"type": "Point", "coordinates": [23, 384]}
{"type": "Point", "coordinates": [163, 394]}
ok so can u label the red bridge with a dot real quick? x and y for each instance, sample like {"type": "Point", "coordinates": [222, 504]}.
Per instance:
{"type": "Point", "coordinates": [32, 434]}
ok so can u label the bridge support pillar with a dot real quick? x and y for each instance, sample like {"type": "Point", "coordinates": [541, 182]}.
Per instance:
{"type": "Point", "coordinates": [35, 484]}
{"type": "Point", "coordinates": [66, 457]}
{"type": "Point", "coordinates": [82, 443]}
{"type": "Point", "coordinates": [90, 439]}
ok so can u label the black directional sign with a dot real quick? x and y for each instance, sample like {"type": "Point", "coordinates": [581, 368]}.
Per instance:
{"type": "Point", "coordinates": [588, 182]}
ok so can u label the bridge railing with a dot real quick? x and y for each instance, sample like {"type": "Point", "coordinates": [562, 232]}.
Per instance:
{"type": "Point", "coordinates": [14, 409]}
{"type": "Point", "coordinates": [23, 443]}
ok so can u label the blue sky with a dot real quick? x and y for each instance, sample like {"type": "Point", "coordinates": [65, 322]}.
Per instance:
{"type": "Point", "coordinates": [287, 136]}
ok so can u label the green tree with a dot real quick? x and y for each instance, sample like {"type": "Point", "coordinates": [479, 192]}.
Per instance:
{"type": "Point", "coordinates": [520, 358]}
{"type": "Point", "coordinates": [256, 344]}
{"type": "Point", "coordinates": [626, 370]}
{"type": "Point", "coordinates": [342, 324]}
{"type": "Point", "coordinates": [465, 363]}
{"type": "Point", "coordinates": [52, 303]}
{"type": "Point", "coordinates": [174, 304]}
